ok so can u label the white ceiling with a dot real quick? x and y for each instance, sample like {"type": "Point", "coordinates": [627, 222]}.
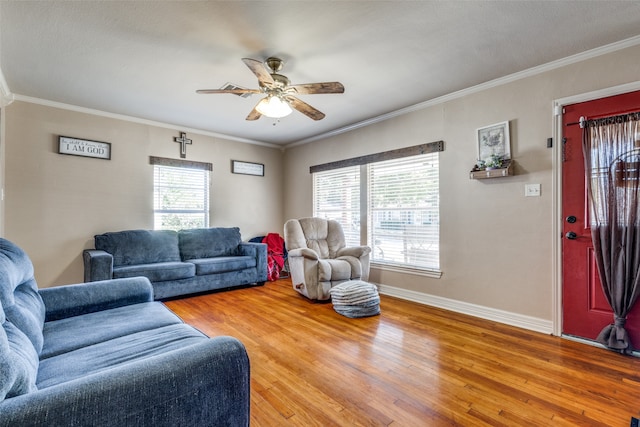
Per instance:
{"type": "Point", "coordinates": [146, 59]}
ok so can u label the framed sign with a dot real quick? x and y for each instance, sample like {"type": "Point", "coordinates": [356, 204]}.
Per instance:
{"type": "Point", "coordinates": [494, 140]}
{"type": "Point", "coordinates": [247, 168]}
{"type": "Point", "coordinates": [84, 148]}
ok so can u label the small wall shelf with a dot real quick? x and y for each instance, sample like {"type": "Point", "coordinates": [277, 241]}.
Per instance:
{"type": "Point", "coordinates": [507, 170]}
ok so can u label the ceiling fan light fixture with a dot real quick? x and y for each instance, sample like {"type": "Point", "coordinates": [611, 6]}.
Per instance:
{"type": "Point", "coordinates": [279, 93]}
{"type": "Point", "coordinates": [274, 107]}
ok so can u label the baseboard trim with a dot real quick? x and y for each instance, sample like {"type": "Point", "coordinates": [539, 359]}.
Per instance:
{"type": "Point", "coordinates": [513, 319]}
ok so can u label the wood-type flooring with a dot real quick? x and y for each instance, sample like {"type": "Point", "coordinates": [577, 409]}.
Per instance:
{"type": "Point", "coordinates": [413, 365]}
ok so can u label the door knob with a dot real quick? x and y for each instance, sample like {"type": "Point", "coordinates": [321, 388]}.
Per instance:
{"type": "Point", "coordinates": [571, 235]}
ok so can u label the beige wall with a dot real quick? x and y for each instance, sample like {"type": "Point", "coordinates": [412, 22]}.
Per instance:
{"type": "Point", "coordinates": [56, 203]}
{"type": "Point", "coordinates": [496, 245]}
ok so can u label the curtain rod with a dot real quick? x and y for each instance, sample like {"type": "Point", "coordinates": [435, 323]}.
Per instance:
{"type": "Point", "coordinates": [617, 118]}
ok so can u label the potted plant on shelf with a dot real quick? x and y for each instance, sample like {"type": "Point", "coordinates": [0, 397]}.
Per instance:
{"type": "Point", "coordinates": [479, 166]}
{"type": "Point", "coordinates": [494, 162]}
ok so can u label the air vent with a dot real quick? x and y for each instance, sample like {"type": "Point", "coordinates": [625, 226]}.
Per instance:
{"type": "Point", "coordinates": [229, 86]}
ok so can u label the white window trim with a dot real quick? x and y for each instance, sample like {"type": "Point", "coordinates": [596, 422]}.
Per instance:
{"type": "Point", "coordinates": [185, 164]}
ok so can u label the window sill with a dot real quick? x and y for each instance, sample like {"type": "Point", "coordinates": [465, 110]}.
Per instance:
{"type": "Point", "coordinates": [434, 274]}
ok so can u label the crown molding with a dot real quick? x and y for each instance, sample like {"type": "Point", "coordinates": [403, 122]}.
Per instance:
{"type": "Point", "coordinates": [553, 65]}
{"type": "Point", "coordinates": [138, 120]}
{"type": "Point", "coordinates": [6, 97]}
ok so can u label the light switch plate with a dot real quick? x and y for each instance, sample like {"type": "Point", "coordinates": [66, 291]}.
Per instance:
{"type": "Point", "coordinates": [532, 190]}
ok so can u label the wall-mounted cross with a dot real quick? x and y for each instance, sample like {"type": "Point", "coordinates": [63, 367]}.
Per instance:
{"type": "Point", "coordinates": [183, 140]}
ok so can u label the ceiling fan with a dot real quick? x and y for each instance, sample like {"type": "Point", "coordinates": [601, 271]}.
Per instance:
{"type": "Point", "coordinates": [280, 94]}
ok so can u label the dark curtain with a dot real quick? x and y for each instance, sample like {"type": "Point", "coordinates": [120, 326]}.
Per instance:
{"type": "Point", "coordinates": [611, 149]}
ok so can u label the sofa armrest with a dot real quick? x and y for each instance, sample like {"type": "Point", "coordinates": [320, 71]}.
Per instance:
{"type": "Point", "coordinates": [203, 384]}
{"type": "Point", "coordinates": [98, 265]}
{"type": "Point", "coordinates": [355, 251]}
{"type": "Point", "coordinates": [303, 252]}
{"type": "Point", "coordinates": [259, 252]}
{"type": "Point", "coordinates": [73, 300]}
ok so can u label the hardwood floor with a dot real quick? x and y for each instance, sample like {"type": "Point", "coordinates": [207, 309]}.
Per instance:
{"type": "Point", "coordinates": [413, 365]}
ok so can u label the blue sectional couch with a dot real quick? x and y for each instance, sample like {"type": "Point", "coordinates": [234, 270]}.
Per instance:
{"type": "Point", "coordinates": [106, 354]}
{"type": "Point", "coordinates": [178, 263]}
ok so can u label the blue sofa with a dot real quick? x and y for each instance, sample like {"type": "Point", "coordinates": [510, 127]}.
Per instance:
{"type": "Point", "coordinates": [106, 354]}
{"type": "Point", "coordinates": [178, 263]}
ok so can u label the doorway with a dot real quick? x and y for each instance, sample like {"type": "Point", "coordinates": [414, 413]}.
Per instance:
{"type": "Point", "coordinates": [584, 310]}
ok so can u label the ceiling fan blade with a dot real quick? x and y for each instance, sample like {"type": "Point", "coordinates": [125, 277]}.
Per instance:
{"type": "Point", "coordinates": [233, 91]}
{"type": "Point", "coordinates": [254, 114]}
{"type": "Point", "coordinates": [258, 69]}
{"type": "Point", "coordinates": [305, 108]}
{"type": "Point", "coordinates": [312, 88]}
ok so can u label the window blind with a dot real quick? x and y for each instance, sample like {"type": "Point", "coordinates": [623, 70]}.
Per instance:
{"type": "Point", "coordinates": [181, 197]}
{"type": "Point", "coordinates": [396, 204]}
{"type": "Point", "coordinates": [403, 211]}
{"type": "Point", "coordinates": [336, 195]}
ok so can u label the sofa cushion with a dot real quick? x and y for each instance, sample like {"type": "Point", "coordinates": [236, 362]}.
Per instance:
{"type": "Point", "coordinates": [209, 242]}
{"type": "Point", "coordinates": [72, 333]}
{"type": "Point", "coordinates": [132, 247]}
{"type": "Point", "coordinates": [22, 315]}
{"type": "Point", "coordinates": [118, 351]}
{"type": "Point", "coordinates": [27, 313]}
{"type": "Point", "coordinates": [157, 272]}
{"type": "Point", "coordinates": [222, 264]}
{"type": "Point", "coordinates": [18, 362]}
{"type": "Point", "coordinates": [19, 296]}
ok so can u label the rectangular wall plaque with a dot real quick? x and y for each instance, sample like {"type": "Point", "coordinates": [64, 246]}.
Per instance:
{"type": "Point", "coordinates": [247, 168]}
{"type": "Point", "coordinates": [84, 148]}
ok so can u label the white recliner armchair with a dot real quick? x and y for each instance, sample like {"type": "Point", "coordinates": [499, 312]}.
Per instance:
{"type": "Point", "coordinates": [319, 259]}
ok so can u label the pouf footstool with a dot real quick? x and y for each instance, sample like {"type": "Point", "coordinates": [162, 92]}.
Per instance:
{"type": "Point", "coordinates": [355, 298]}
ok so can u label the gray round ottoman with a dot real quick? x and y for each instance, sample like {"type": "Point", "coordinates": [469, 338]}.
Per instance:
{"type": "Point", "coordinates": [355, 298]}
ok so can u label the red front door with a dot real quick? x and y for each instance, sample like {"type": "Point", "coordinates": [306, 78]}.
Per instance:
{"type": "Point", "coordinates": [585, 309]}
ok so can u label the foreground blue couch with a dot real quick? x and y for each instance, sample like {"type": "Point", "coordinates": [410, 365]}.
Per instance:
{"type": "Point", "coordinates": [178, 263]}
{"type": "Point", "coordinates": [105, 354]}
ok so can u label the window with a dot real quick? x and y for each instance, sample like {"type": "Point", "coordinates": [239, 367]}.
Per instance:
{"type": "Point", "coordinates": [336, 195]}
{"type": "Point", "coordinates": [404, 223]}
{"type": "Point", "coordinates": [390, 205]}
{"type": "Point", "coordinates": [180, 194]}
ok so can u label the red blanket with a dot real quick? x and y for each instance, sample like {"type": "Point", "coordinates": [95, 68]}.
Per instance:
{"type": "Point", "coordinates": [275, 255]}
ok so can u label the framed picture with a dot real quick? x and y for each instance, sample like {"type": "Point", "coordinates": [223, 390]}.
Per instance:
{"type": "Point", "coordinates": [492, 140]}
{"type": "Point", "coordinates": [247, 168]}
{"type": "Point", "coordinates": [84, 148]}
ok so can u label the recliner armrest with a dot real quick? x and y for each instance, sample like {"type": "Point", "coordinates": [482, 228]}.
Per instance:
{"type": "Point", "coordinates": [355, 251]}
{"type": "Point", "coordinates": [82, 298]}
{"type": "Point", "coordinates": [303, 252]}
{"type": "Point", "coordinates": [98, 265]}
